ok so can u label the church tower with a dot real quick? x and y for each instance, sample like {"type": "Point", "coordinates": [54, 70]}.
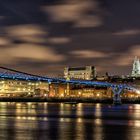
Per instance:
{"type": "Point", "coordinates": [136, 68]}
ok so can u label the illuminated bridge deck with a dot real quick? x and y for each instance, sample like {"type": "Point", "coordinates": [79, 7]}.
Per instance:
{"type": "Point", "coordinates": [6, 73]}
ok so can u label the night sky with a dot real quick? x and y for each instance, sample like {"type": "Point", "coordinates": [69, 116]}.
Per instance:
{"type": "Point", "coordinates": [44, 36]}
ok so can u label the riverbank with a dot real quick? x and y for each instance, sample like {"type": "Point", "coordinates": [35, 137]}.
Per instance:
{"type": "Point", "coordinates": [35, 99]}
{"type": "Point", "coordinates": [67, 100]}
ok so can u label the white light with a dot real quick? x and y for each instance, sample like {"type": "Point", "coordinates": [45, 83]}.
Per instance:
{"type": "Point", "coordinates": [137, 91]}
{"type": "Point", "coordinates": [79, 93]}
{"type": "Point", "coordinates": [29, 83]}
{"type": "Point", "coordinates": [18, 89]}
{"type": "Point", "coordinates": [62, 95]}
{"type": "Point", "coordinates": [98, 94]}
{"type": "Point", "coordinates": [45, 95]}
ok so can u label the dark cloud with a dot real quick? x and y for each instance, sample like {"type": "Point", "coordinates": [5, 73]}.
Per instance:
{"type": "Point", "coordinates": [43, 36]}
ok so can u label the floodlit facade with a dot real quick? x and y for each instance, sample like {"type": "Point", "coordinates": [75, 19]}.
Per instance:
{"type": "Point", "coordinates": [136, 68]}
{"type": "Point", "coordinates": [21, 88]}
{"type": "Point", "coordinates": [85, 73]}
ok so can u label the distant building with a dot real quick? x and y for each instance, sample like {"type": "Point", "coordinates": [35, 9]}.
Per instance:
{"type": "Point", "coordinates": [85, 73]}
{"type": "Point", "coordinates": [136, 68]}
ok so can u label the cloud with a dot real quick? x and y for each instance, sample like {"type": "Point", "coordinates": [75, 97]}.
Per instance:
{"type": "Point", "coordinates": [58, 40]}
{"type": "Point", "coordinates": [28, 33]}
{"type": "Point", "coordinates": [76, 12]}
{"type": "Point", "coordinates": [32, 37]}
{"type": "Point", "coordinates": [124, 60]}
{"type": "Point", "coordinates": [24, 46]}
{"type": "Point", "coordinates": [27, 29]}
{"type": "Point", "coordinates": [101, 69]}
{"type": "Point", "coordinates": [128, 32]}
{"type": "Point", "coordinates": [88, 54]}
{"type": "Point", "coordinates": [127, 58]}
{"type": "Point", "coordinates": [31, 52]}
{"type": "Point", "coordinates": [4, 41]}
{"type": "Point", "coordinates": [89, 21]}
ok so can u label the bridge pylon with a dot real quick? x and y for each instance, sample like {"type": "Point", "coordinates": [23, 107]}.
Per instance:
{"type": "Point", "coordinates": [116, 94]}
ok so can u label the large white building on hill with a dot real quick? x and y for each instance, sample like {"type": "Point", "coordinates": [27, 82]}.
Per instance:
{"type": "Point", "coordinates": [136, 68]}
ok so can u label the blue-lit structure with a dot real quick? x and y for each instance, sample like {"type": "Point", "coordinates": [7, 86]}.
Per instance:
{"type": "Point", "coordinates": [7, 73]}
{"type": "Point", "coordinates": [17, 83]}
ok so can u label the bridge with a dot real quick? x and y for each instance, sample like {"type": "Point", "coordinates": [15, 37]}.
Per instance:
{"type": "Point", "coordinates": [15, 75]}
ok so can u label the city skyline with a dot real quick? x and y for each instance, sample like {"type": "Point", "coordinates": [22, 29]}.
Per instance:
{"type": "Point", "coordinates": [44, 37]}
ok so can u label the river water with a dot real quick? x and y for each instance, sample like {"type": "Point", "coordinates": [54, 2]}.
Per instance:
{"type": "Point", "coordinates": [59, 121]}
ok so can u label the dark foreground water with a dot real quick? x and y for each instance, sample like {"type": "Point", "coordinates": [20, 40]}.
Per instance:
{"type": "Point", "coordinates": [44, 121]}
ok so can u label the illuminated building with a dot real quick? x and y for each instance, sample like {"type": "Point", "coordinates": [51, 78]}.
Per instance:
{"type": "Point", "coordinates": [19, 84]}
{"type": "Point", "coordinates": [85, 73]}
{"type": "Point", "coordinates": [89, 93]}
{"type": "Point", "coordinates": [22, 88]}
{"type": "Point", "coordinates": [136, 68]}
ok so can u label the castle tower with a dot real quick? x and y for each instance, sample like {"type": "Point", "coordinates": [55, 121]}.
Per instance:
{"type": "Point", "coordinates": [136, 68]}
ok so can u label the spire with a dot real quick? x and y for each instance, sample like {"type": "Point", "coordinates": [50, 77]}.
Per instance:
{"type": "Point", "coordinates": [136, 67]}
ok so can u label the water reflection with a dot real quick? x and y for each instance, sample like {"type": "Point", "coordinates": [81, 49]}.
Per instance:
{"type": "Point", "coordinates": [134, 122]}
{"type": "Point", "coordinates": [3, 121]}
{"type": "Point", "coordinates": [69, 122]}
{"type": "Point", "coordinates": [98, 129]}
{"type": "Point", "coordinates": [79, 123]}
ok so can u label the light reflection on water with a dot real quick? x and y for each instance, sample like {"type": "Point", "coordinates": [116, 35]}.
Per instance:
{"type": "Point", "coordinates": [41, 121]}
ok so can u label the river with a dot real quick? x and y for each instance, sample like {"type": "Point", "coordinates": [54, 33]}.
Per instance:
{"type": "Point", "coordinates": [59, 121]}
